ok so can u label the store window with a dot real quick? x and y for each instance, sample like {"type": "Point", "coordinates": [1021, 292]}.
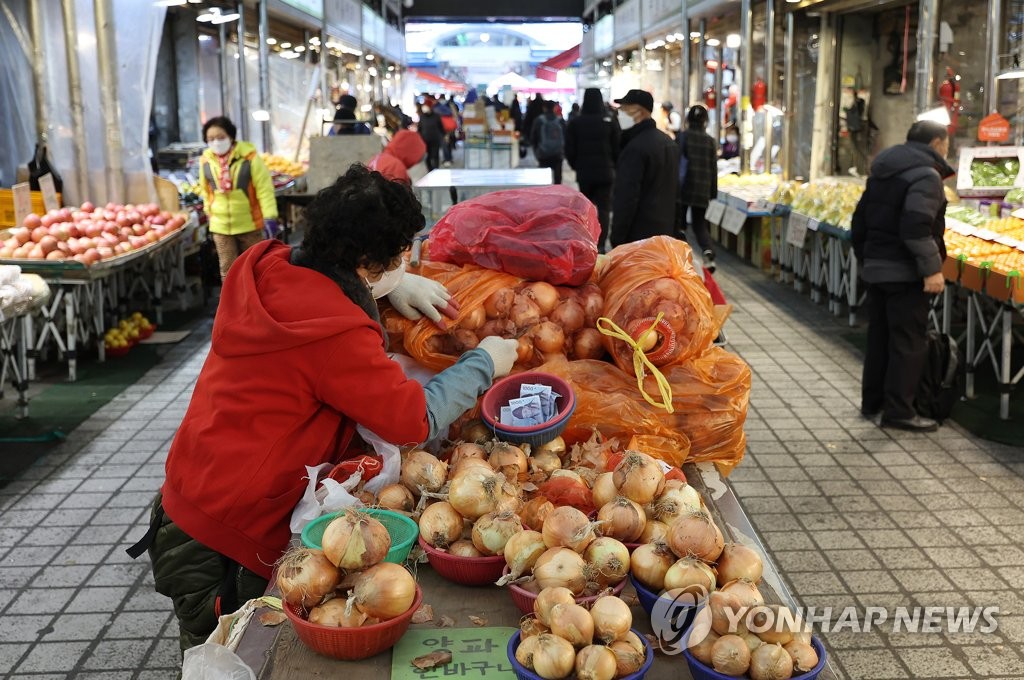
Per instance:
{"type": "Point", "coordinates": [806, 52]}
{"type": "Point", "coordinates": [961, 59]}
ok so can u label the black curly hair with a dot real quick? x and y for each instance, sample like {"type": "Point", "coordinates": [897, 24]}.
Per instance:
{"type": "Point", "coordinates": [224, 123]}
{"type": "Point", "coordinates": [363, 219]}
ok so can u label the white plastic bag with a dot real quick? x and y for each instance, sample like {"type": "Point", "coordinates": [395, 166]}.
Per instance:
{"type": "Point", "coordinates": [210, 661]}
{"type": "Point", "coordinates": [330, 497]}
{"type": "Point", "coordinates": [390, 456]}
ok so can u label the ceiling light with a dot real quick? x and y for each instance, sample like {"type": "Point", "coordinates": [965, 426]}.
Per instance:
{"type": "Point", "coordinates": [678, 36]}
{"type": "Point", "coordinates": [271, 41]}
{"type": "Point", "coordinates": [733, 40]}
{"type": "Point", "coordinates": [694, 34]}
{"type": "Point", "coordinates": [289, 54]}
{"type": "Point", "coordinates": [205, 38]}
{"type": "Point", "coordinates": [714, 42]}
{"type": "Point", "coordinates": [261, 115]}
{"type": "Point", "coordinates": [484, 37]}
{"type": "Point", "coordinates": [170, 3]}
{"type": "Point", "coordinates": [285, 45]}
{"type": "Point", "coordinates": [214, 16]}
{"type": "Point", "coordinates": [670, 37]}
{"type": "Point", "coordinates": [299, 48]}
{"type": "Point", "coordinates": [369, 57]}
{"type": "Point", "coordinates": [316, 41]}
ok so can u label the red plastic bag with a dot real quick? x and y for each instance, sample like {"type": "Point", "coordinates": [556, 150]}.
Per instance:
{"type": "Point", "coordinates": [540, 234]}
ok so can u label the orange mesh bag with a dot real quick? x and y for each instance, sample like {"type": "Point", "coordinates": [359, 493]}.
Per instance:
{"type": "Point", "coordinates": [653, 277]}
{"type": "Point", "coordinates": [608, 400]}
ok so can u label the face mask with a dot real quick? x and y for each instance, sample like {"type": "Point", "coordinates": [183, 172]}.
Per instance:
{"type": "Point", "coordinates": [220, 146]}
{"type": "Point", "coordinates": [387, 283]}
{"type": "Point", "coordinates": [732, 138]}
{"type": "Point", "coordinates": [625, 120]}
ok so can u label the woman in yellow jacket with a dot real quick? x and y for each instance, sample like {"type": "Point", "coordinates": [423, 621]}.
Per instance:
{"type": "Point", "coordinates": [238, 192]}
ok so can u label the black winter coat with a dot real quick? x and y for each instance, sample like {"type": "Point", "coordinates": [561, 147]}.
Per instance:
{"type": "Point", "coordinates": [701, 183]}
{"type": "Point", "coordinates": [898, 225]}
{"type": "Point", "coordinates": [592, 147]}
{"type": "Point", "coordinates": [646, 185]}
{"type": "Point", "coordinates": [431, 128]}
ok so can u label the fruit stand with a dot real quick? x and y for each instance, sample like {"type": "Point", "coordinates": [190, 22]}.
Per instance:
{"type": "Point", "coordinates": [737, 216]}
{"type": "Point", "coordinates": [15, 313]}
{"type": "Point", "coordinates": [274, 652]}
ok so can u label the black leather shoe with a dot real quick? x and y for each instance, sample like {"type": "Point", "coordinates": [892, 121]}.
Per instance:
{"type": "Point", "coordinates": [869, 414]}
{"type": "Point", "coordinates": [708, 262]}
{"type": "Point", "coordinates": [915, 424]}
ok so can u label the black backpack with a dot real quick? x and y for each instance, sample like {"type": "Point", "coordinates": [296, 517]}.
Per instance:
{"type": "Point", "coordinates": [942, 380]}
{"type": "Point", "coordinates": [551, 142]}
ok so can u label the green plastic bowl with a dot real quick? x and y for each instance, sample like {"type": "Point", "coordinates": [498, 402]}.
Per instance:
{"type": "Point", "coordinates": [403, 532]}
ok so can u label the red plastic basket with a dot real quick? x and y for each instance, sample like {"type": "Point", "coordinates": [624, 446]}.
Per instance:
{"type": "Point", "coordinates": [350, 644]}
{"type": "Point", "coordinates": [143, 334]}
{"type": "Point", "coordinates": [115, 352]}
{"type": "Point", "coordinates": [524, 598]}
{"type": "Point", "coordinates": [468, 571]}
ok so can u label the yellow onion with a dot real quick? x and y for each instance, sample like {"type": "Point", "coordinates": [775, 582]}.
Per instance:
{"type": "Point", "coordinates": [555, 446]}
{"type": "Point", "coordinates": [727, 612]}
{"type": "Point", "coordinates": [607, 561]}
{"type": "Point", "coordinates": [525, 651]}
{"type": "Point", "coordinates": [777, 624]}
{"type": "Point", "coordinates": [545, 462]}
{"type": "Point", "coordinates": [804, 656]}
{"type": "Point", "coordinates": [746, 591]}
{"type": "Point", "coordinates": [701, 649]}
{"type": "Point", "coordinates": [464, 548]}
{"type": "Point", "coordinates": [476, 431]}
{"type": "Point", "coordinates": [466, 464]}
{"type": "Point", "coordinates": [543, 294]}
{"type": "Point", "coordinates": [336, 612]}
{"type": "Point", "coordinates": [622, 519]}
{"type": "Point", "coordinates": [654, 531]}
{"type": "Point", "coordinates": [738, 561]}
{"type": "Point", "coordinates": [753, 642]}
{"type": "Point", "coordinates": [650, 562]}
{"type": "Point", "coordinates": [568, 527]}
{"type": "Point", "coordinates": [510, 460]}
{"type": "Point", "coordinates": [639, 477]}
{"type": "Point", "coordinates": [628, 656]}
{"type": "Point", "coordinates": [464, 450]}
{"type": "Point", "coordinates": [440, 524]}
{"type": "Point", "coordinates": [691, 575]}
{"type": "Point", "coordinates": [305, 575]}
{"type": "Point", "coordinates": [530, 626]}
{"type": "Point", "coordinates": [595, 662]}
{"type": "Point", "coordinates": [384, 591]}
{"type": "Point", "coordinates": [730, 655]}
{"type": "Point", "coordinates": [422, 470]}
{"type": "Point", "coordinates": [696, 535]}
{"type": "Point", "coordinates": [612, 618]}
{"type": "Point", "coordinates": [355, 541]}
{"type": "Point", "coordinates": [604, 490]}
{"type": "Point", "coordinates": [770, 662]}
{"type": "Point", "coordinates": [478, 492]}
{"type": "Point", "coordinates": [521, 553]}
{"type": "Point", "coordinates": [396, 497]}
{"type": "Point", "coordinates": [492, 531]}
{"type": "Point", "coordinates": [561, 567]}
{"type": "Point", "coordinates": [548, 598]}
{"type": "Point", "coordinates": [553, 657]}
{"type": "Point", "coordinates": [572, 623]}
{"type": "Point", "coordinates": [676, 501]}
{"type": "Point", "coordinates": [535, 511]}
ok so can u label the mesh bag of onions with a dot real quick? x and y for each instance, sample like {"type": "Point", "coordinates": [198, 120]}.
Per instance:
{"type": "Point", "coordinates": [710, 395]}
{"type": "Point", "coordinates": [550, 322]}
{"type": "Point", "coordinates": [645, 278]}
{"type": "Point", "coordinates": [541, 234]}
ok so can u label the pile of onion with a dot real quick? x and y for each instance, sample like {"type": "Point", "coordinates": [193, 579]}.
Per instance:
{"type": "Point", "coordinates": [355, 541]}
{"type": "Point", "coordinates": [562, 637]}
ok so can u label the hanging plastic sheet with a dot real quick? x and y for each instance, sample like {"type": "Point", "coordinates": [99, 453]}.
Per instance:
{"type": "Point", "coordinates": [17, 109]}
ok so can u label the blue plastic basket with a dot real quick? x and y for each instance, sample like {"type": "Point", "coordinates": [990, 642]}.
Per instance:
{"type": "Point", "coordinates": [524, 673]}
{"type": "Point", "coordinates": [675, 611]}
{"type": "Point", "coordinates": [701, 672]}
{"type": "Point", "coordinates": [403, 532]}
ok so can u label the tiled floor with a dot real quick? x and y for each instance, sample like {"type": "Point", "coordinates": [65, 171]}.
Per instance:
{"type": "Point", "coordinates": [854, 515]}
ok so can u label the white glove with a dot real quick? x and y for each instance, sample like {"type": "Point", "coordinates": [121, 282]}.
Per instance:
{"type": "Point", "coordinates": [503, 353]}
{"type": "Point", "coordinates": [416, 294]}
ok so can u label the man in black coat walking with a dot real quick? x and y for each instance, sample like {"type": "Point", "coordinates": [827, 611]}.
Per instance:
{"type": "Point", "coordinates": [592, 148]}
{"type": "Point", "coordinates": [700, 184]}
{"type": "Point", "coordinates": [647, 174]}
{"type": "Point", "coordinates": [897, 233]}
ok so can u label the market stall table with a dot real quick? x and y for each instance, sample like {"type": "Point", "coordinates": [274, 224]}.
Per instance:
{"type": "Point", "coordinates": [276, 653]}
{"type": "Point", "coordinates": [14, 320]}
{"type": "Point", "coordinates": [440, 189]}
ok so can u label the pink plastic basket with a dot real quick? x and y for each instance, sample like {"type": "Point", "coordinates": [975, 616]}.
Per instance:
{"type": "Point", "coordinates": [468, 571]}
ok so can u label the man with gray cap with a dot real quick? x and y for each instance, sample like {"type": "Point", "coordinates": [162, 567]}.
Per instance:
{"type": "Point", "coordinates": [646, 176]}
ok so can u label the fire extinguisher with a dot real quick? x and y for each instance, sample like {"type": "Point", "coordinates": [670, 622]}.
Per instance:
{"type": "Point", "coordinates": [710, 99]}
{"type": "Point", "coordinates": [949, 95]}
{"type": "Point", "coordinates": [758, 94]}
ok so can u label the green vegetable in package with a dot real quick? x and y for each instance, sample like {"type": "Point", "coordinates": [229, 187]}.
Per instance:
{"type": "Point", "coordinates": [1001, 172]}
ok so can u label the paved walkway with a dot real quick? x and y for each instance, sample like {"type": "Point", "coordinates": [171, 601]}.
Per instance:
{"type": "Point", "coordinates": [853, 514]}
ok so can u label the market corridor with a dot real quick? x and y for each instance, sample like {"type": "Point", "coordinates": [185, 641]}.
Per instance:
{"type": "Point", "coordinates": [854, 515]}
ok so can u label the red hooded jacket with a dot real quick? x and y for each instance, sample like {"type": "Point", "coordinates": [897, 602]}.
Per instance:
{"type": "Point", "coordinates": [405, 150]}
{"type": "Point", "coordinates": [293, 365]}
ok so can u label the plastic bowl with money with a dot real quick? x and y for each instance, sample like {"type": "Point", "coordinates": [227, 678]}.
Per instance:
{"type": "Point", "coordinates": [507, 390]}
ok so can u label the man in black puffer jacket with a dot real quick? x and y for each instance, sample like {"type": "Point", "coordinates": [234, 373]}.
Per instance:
{"type": "Point", "coordinates": [897, 237]}
{"type": "Point", "coordinates": [592, 147]}
{"type": "Point", "coordinates": [647, 174]}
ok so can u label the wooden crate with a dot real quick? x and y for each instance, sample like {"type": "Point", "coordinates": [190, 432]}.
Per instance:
{"type": "Point", "coordinates": [7, 218]}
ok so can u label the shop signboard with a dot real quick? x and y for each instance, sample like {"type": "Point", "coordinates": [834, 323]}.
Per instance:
{"type": "Point", "coordinates": [715, 212]}
{"type": "Point", "coordinates": [587, 46]}
{"type": "Point", "coordinates": [475, 653]}
{"type": "Point", "coordinates": [796, 231]}
{"type": "Point", "coordinates": [627, 23]}
{"type": "Point", "coordinates": [604, 35]}
{"type": "Point", "coordinates": [733, 220]}
{"type": "Point", "coordinates": [993, 128]}
{"type": "Point", "coordinates": [49, 190]}
{"type": "Point", "coordinates": [314, 8]}
{"type": "Point", "coordinates": [343, 17]}
{"type": "Point", "coordinates": [22, 202]}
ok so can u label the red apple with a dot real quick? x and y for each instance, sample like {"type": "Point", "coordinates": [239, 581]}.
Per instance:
{"type": "Point", "coordinates": [105, 252]}
{"type": "Point", "coordinates": [139, 229]}
{"type": "Point", "coordinates": [37, 252]}
{"type": "Point", "coordinates": [56, 255]}
{"type": "Point", "coordinates": [48, 244]}
{"type": "Point", "coordinates": [38, 233]}
{"type": "Point", "coordinates": [88, 207]}
{"type": "Point", "coordinates": [21, 235]}
{"type": "Point", "coordinates": [32, 221]}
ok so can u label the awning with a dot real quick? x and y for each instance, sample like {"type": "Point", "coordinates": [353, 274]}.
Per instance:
{"type": "Point", "coordinates": [437, 80]}
{"type": "Point", "coordinates": [548, 70]}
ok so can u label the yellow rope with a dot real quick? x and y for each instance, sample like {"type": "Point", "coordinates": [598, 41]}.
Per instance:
{"type": "Point", "coordinates": [641, 364]}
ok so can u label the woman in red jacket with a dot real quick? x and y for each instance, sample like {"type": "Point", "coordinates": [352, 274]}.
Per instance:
{"type": "Point", "coordinates": [297, 359]}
